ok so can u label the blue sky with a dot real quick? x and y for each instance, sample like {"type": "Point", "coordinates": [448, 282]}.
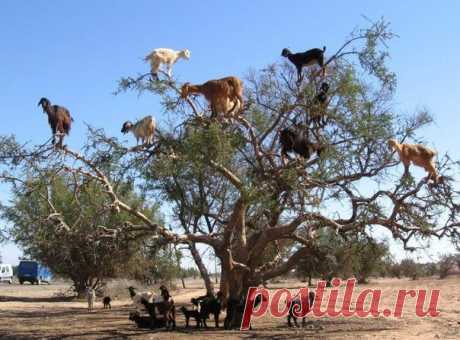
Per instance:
{"type": "Point", "coordinates": [73, 52]}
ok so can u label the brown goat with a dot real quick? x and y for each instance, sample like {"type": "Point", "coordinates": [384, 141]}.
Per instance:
{"type": "Point", "coordinates": [219, 93]}
{"type": "Point", "coordinates": [419, 155]}
{"type": "Point", "coordinates": [59, 119]}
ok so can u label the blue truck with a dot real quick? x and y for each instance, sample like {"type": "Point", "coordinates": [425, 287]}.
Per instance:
{"type": "Point", "coordinates": [33, 272]}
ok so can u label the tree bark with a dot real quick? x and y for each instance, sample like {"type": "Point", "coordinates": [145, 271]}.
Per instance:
{"type": "Point", "coordinates": [202, 268]}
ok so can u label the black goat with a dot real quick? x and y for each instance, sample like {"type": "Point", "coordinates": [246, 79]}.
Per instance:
{"type": "Point", "coordinates": [164, 292]}
{"type": "Point", "coordinates": [318, 111]}
{"type": "Point", "coordinates": [295, 139]}
{"type": "Point", "coordinates": [209, 304]}
{"type": "Point", "coordinates": [166, 308]}
{"type": "Point", "coordinates": [236, 307]}
{"type": "Point", "coordinates": [296, 303]}
{"type": "Point", "coordinates": [321, 97]}
{"type": "Point", "coordinates": [307, 58]}
{"type": "Point", "coordinates": [191, 314]}
{"type": "Point", "coordinates": [106, 301]}
{"type": "Point", "coordinates": [142, 321]}
{"type": "Point", "coordinates": [59, 119]}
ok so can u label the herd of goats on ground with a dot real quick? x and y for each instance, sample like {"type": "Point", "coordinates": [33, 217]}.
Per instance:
{"type": "Point", "coordinates": [225, 98]}
{"type": "Point", "coordinates": [152, 311]}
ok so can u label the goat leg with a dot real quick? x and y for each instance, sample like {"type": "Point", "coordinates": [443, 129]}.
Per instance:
{"type": "Point", "coordinates": [406, 169]}
{"type": "Point", "coordinates": [295, 321]}
{"type": "Point", "coordinates": [213, 110]}
{"type": "Point", "coordinates": [284, 156]}
{"type": "Point", "coordinates": [299, 74]}
{"type": "Point", "coordinates": [216, 319]}
{"type": "Point", "coordinates": [289, 321]}
{"type": "Point", "coordinates": [61, 141]}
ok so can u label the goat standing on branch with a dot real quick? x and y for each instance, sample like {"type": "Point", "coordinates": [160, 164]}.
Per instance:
{"type": "Point", "coordinates": [318, 112]}
{"type": "Point", "coordinates": [59, 119]}
{"type": "Point", "coordinates": [219, 93]}
{"type": "Point", "coordinates": [295, 139]}
{"type": "Point", "coordinates": [419, 155]}
{"type": "Point", "coordinates": [165, 56]}
{"type": "Point", "coordinates": [143, 129]}
{"type": "Point", "coordinates": [307, 58]}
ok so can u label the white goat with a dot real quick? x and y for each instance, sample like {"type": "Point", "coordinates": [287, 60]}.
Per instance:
{"type": "Point", "coordinates": [138, 296]}
{"type": "Point", "coordinates": [90, 297]}
{"type": "Point", "coordinates": [165, 56]}
{"type": "Point", "coordinates": [143, 129]}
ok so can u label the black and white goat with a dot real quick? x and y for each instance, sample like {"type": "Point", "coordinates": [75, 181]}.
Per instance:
{"type": "Point", "coordinates": [295, 139]}
{"type": "Point", "coordinates": [137, 297]}
{"type": "Point", "coordinates": [143, 129]}
{"type": "Point", "coordinates": [307, 58]}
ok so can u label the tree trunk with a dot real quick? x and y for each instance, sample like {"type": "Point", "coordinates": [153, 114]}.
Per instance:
{"type": "Point", "coordinates": [238, 286]}
{"type": "Point", "coordinates": [223, 281]}
{"type": "Point", "coordinates": [80, 288]}
{"type": "Point", "coordinates": [202, 268]}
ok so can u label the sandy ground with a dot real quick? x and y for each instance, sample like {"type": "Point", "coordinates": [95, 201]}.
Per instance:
{"type": "Point", "coordinates": [43, 312]}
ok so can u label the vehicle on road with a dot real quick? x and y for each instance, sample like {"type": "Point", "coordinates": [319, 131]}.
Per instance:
{"type": "Point", "coordinates": [6, 273]}
{"type": "Point", "coordinates": [33, 272]}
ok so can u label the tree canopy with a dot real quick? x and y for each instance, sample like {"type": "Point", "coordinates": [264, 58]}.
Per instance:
{"type": "Point", "coordinates": [60, 220]}
{"type": "Point", "coordinates": [224, 181]}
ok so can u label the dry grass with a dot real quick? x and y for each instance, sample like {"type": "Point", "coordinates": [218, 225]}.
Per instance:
{"type": "Point", "coordinates": [36, 312]}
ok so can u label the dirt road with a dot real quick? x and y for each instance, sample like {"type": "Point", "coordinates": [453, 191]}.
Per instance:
{"type": "Point", "coordinates": [36, 312]}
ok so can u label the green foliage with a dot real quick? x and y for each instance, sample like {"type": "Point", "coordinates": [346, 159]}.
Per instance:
{"type": "Point", "coordinates": [429, 269]}
{"type": "Point", "coordinates": [446, 264]}
{"type": "Point", "coordinates": [157, 262]}
{"type": "Point", "coordinates": [359, 256]}
{"type": "Point", "coordinates": [75, 249]}
{"type": "Point", "coordinates": [227, 188]}
{"type": "Point", "coordinates": [411, 269]}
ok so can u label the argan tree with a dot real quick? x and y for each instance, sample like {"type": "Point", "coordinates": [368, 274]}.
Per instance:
{"type": "Point", "coordinates": [55, 219]}
{"type": "Point", "coordinates": [357, 255]}
{"type": "Point", "coordinates": [225, 184]}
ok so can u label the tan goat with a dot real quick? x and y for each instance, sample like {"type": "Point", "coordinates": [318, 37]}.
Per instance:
{"type": "Point", "coordinates": [220, 93]}
{"type": "Point", "coordinates": [418, 154]}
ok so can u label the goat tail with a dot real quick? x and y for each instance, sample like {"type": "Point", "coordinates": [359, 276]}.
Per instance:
{"type": "Point", "coordinates": [324, 49]}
